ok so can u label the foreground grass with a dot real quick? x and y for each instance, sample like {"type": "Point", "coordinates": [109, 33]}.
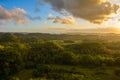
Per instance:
{"type": "Point", "coordinates": [59, 72]}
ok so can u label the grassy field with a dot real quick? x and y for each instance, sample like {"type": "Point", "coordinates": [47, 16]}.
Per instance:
{"type": "Point", "coordinates": [63, 72]}
{"type": "Point", "coordinates": [59, 57]}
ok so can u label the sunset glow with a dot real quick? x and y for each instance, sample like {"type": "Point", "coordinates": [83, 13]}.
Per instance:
{"type": "Point", "coordinates": [58, 15]}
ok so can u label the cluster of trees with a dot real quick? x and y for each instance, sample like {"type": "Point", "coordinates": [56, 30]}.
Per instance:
{"type": "Point", "coordinates": [18, 53]}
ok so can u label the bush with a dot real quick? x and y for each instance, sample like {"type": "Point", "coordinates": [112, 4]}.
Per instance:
{"type": "Point", "coordinates": [41, 70]}
{"type": "Point", "coordinates": [117, 72]}
{"type": "Point", "coordinates": [66, 58]}
{"type": "Point", "coordinates": [10, 62]}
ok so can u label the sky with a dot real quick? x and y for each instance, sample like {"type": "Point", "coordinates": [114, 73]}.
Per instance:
{"type": "Point", "coordinates": [59, 16]}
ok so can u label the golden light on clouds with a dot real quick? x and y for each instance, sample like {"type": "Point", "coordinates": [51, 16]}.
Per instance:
{"type": "Point", "coordinates": [102, 1]}
{"type": "Point", "coordinates": [94, 11]}
{"type": "Point", "coordinates": [62, 20]}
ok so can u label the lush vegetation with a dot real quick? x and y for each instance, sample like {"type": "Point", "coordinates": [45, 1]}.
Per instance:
{"type": "Point", "coordinates": [59, 57]}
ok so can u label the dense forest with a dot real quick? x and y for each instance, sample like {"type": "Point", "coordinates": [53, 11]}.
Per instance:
{"type": "Point", "coordinates": [37, 56]}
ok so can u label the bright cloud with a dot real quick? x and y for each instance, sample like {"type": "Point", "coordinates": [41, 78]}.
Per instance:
{"type": "Point", "coordinates": [95, 11]}
{"type": "Point", "coordinates": [65, 20]}
{"type": "Point", "coordinates": [17, 15]}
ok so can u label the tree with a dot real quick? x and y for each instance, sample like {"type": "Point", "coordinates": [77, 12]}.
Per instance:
{"type": "Point", "coordinates": [66, 58]}
{"type": "Point", "coordinates": [9, 37]}
{"type": "Point", "coordinates": [43, 53]}
{"type": "Point", "coordinates": [10, 62]}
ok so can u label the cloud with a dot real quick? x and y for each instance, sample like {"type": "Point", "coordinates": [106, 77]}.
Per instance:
{"type": "Point", "coordinates": [37, 10]}
{"type": "Point", "coordinates": [34, 18]}
{"type": "Point", "coordinates": [17, 15]}
{"type": "Point", "coordinates": [2, 22]}
{"type": "Point", "coordinates": [57, 19]}
{"type": "Point", "coordinates": [119, 20]}
{"type": "Point", "coordinates": [95, 11]}
{"type": "Point", "coordinates": [88, 30]}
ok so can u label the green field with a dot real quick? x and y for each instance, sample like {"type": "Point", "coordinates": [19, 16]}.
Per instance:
{"type": "Point", "coordinates": [36, 56]}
